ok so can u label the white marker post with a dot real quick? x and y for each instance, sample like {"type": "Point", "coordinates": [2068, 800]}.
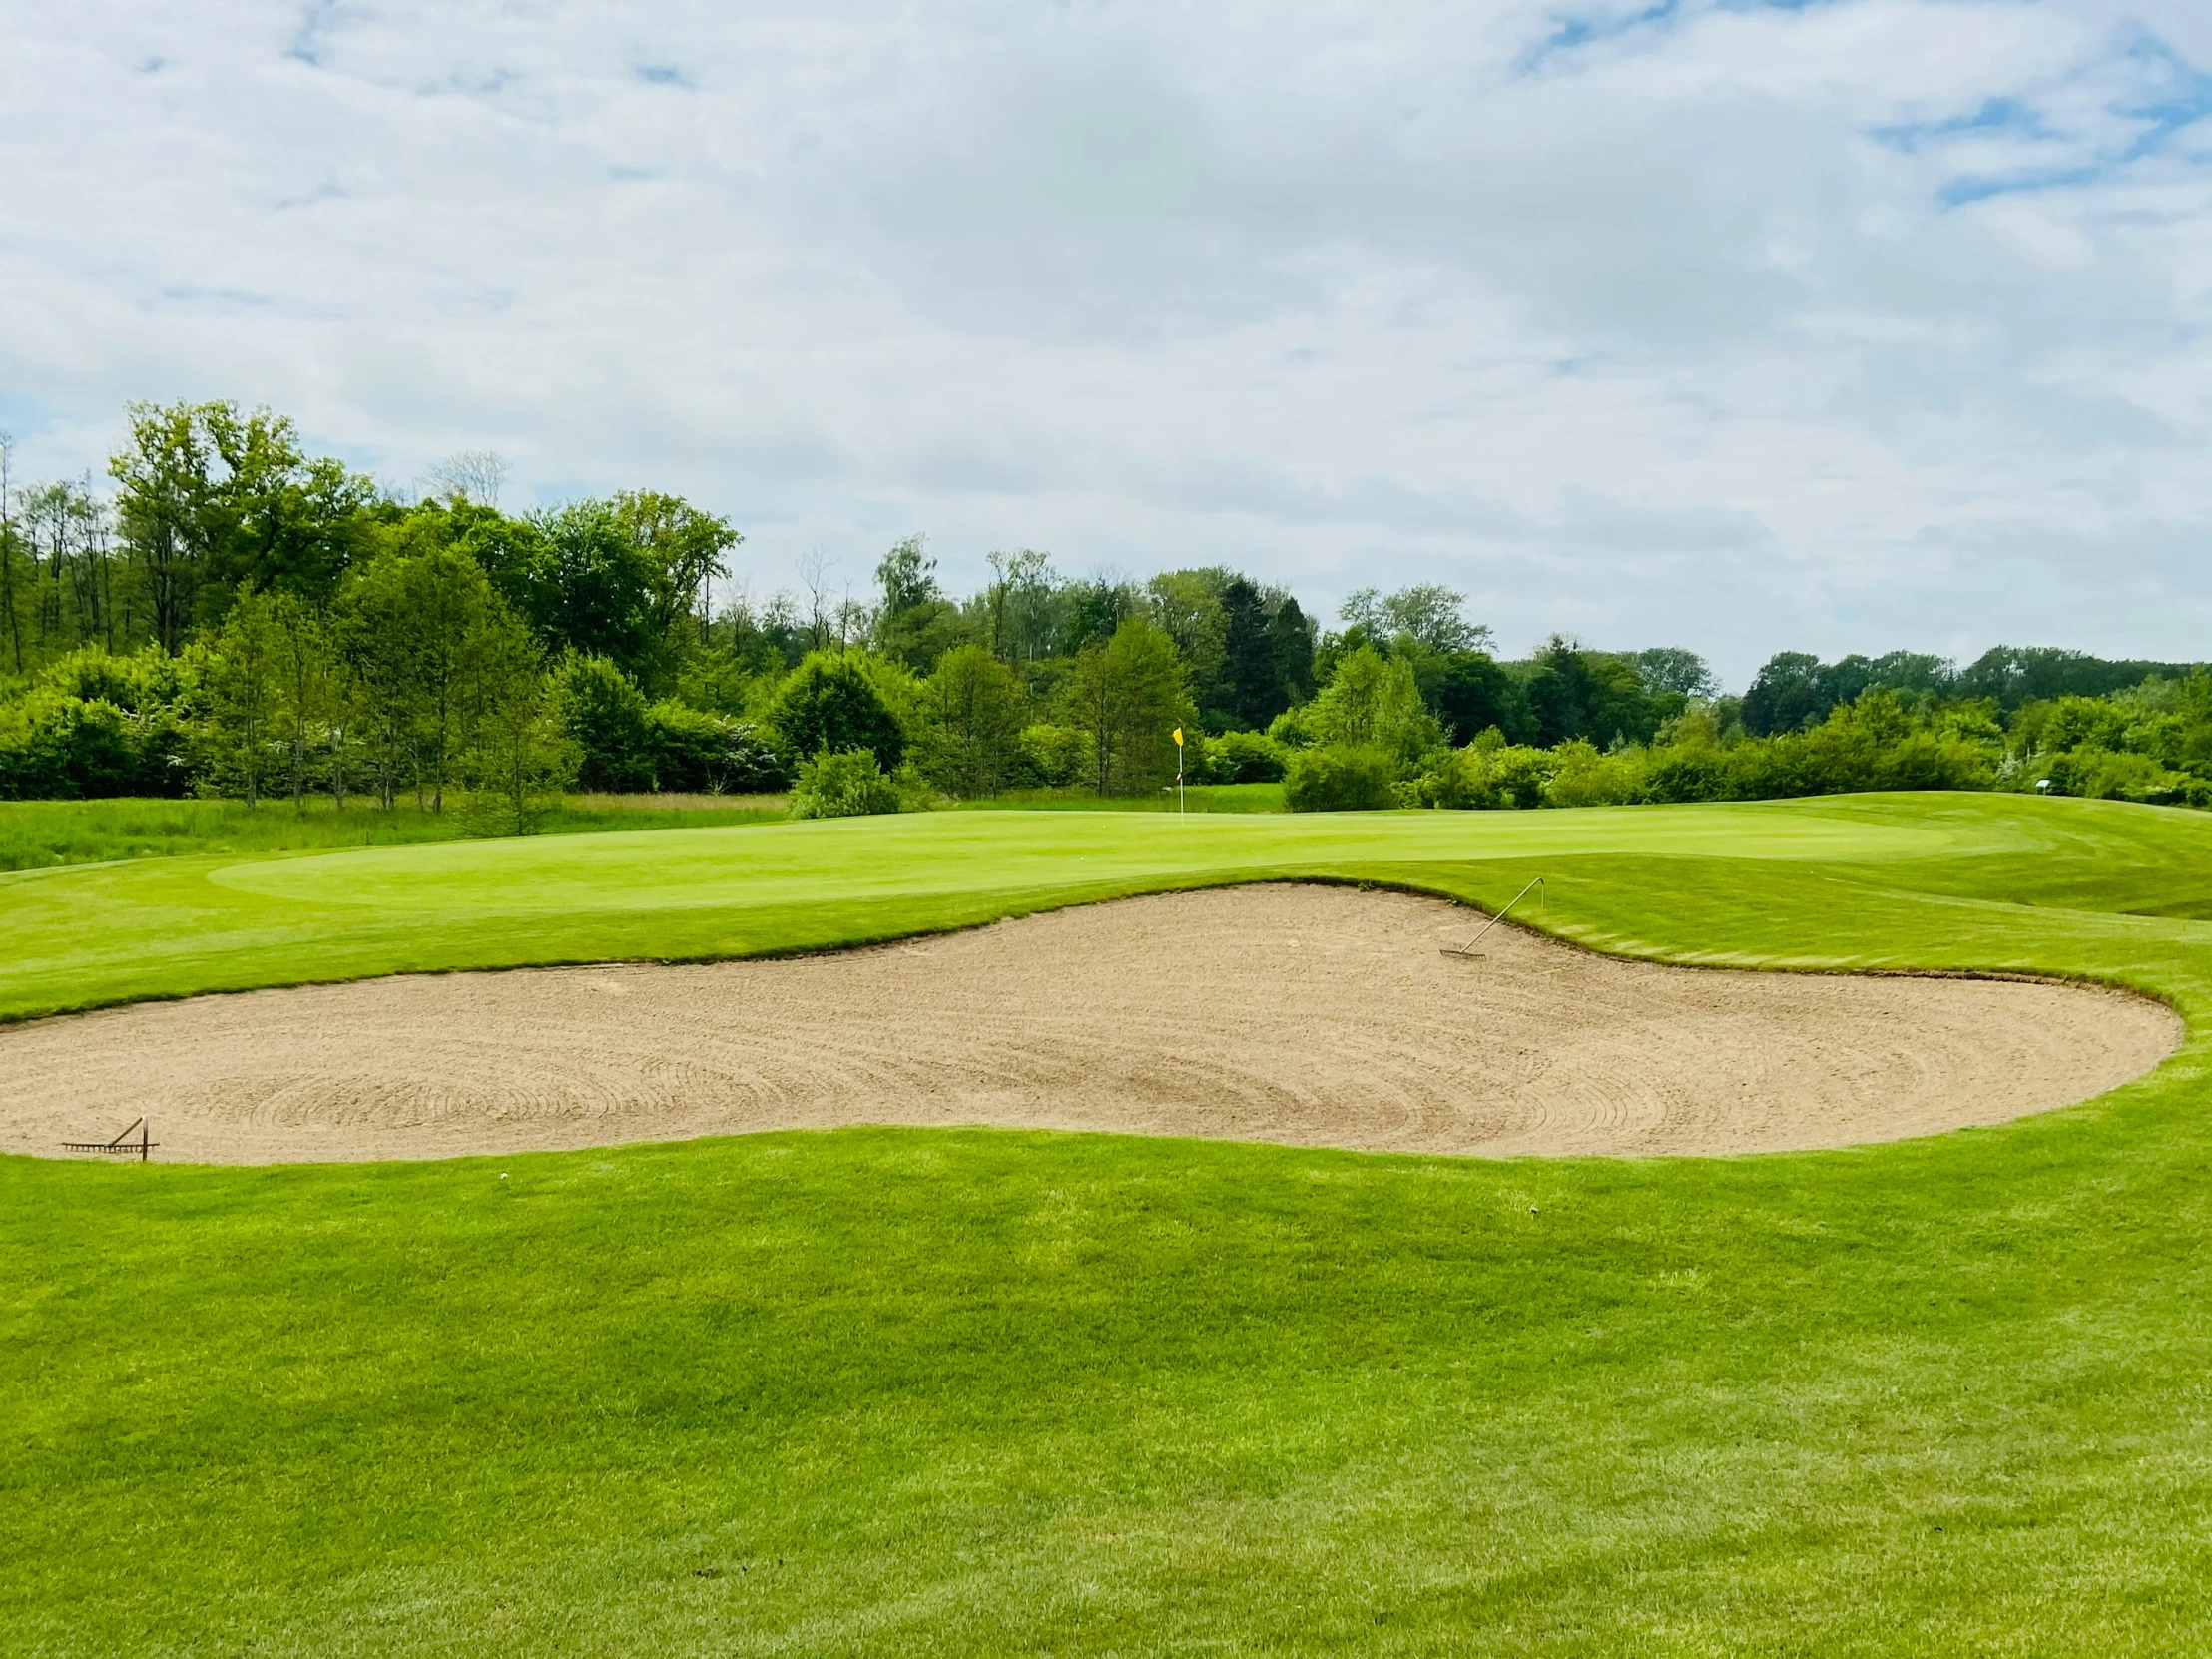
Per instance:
{"type": "Point", "coordinates": [1179, 769]}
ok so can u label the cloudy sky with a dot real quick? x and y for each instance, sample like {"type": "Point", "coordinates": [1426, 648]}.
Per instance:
{"type": "Point", "coordinates": [1830, 326]}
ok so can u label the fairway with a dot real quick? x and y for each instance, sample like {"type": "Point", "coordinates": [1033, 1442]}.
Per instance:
{"type": "Point", "coordinates": [976, 1391]}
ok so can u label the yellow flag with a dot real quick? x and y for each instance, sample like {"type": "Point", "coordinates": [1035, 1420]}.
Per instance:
{"type": "Point", "coordinates": [1179, 737]}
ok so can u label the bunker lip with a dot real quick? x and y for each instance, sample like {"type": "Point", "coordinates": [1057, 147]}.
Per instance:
{"type": "Point", "coordinates": [1301, 1014]}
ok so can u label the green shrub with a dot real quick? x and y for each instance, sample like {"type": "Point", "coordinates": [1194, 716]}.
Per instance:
{"type": "Point", "coordinates": [1582, 777]}
{"type": "Point", "coordinates": [1294, 728]}
{"type": "Point", "coordinates": [1689, 772]}
{"type": "Point", "coordinates": [829, 703]}
{"type": "Point", "coordinates": [1488, 773]}
{"type": "Point", "coordinates": [850, 783]}
{"type": "Point", "coordinates": [56, 747]}
{"type": "Point", "coordinates": [606, 717]}
{"type": "Point", "coordinates": [1241, 758]}
{"type": "Point", "coordinates": [1341, 778]}
{"type": "Point", "coordinates": [2111, 775]}
{"type": "Point", "coordinates": [704, 754]}
{"type": "Point", "coordinates": [1054, 755]}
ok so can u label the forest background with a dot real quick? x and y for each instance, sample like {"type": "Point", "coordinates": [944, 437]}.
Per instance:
{"type": "Point", "coordinates": [236, 617]}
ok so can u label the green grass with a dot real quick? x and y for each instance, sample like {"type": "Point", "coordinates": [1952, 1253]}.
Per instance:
{"type": "Point", "coordinates": [1197, 798]}
{"type": "Point", "coordinates": [903, 1392]}
{"type": "Point", "coordinates": [37, 835]}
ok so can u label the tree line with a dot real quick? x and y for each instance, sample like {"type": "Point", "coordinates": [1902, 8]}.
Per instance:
{"type": "Point", "coordinates": [237, 616]}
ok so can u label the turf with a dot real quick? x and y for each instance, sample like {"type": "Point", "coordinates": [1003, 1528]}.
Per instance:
{"type": "Point", "coordinates": [1197, 798]}
{"type": "Point", "coordinates": [980, 1392]}
{"type": "Point", "coordinates": [37, 835]}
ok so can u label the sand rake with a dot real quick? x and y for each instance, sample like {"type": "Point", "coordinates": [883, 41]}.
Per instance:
{"type": "Point", "coordinates": [122, 1146]}
{"type": "Point", "coordinates": [1469, 949]}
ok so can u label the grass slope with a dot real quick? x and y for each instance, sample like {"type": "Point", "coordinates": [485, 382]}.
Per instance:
{"type": "Point", "coordinates": [969, 1393]}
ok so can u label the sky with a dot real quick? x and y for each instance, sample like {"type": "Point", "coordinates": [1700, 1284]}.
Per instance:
{"type": "Point", "coordinates": [1828, 326]}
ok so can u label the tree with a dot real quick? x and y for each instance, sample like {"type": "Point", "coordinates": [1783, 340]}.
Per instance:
{"type": "Point", "coordinates": [1266, 657]}
{"type": "Point", "coordinates": [1290, 632]}
{"type": "Point", "coordinates": [471, 475]}
{"type": "Point", "coordinates": [829, 704]}
{"type": "Point", "coordinates": [608, 721]}
{"type": "Point", "coordinates": [1095, 608]}
{"type": "Point", "coordinates": [164, 488]}
{"type": "Point", "coordinates": [246, 685]}
{"type": "Point", "coordinates": [915, 624]}
{"type": "Point", "coordinates": [1129, 692]}
{"type": "Point", "coordinates": [1669, 668]}
{"type": "Point", "coordinates": [681, 551]}
{"type": "Point", "coordinates": [1593, 695]}
{"type": "Point", "coordinates": [975, 708]}
{"type": "Point", "coordinates": [212, 502]}
{"type": "Point", "coordinates": [2014, 675]}
{"type": "Point", "coordinates": [1374, 702]}
{"type": "Point", "coordinates": [1785, 695]}
{"type": "Point", "coordinates": [520, 755]}
{"type": "Point", "coordinates": [1188, 606]}
{"type": "Point", "coordinates": [275, 518]}
{"type": "Point", "coordinates": [1428, 613]}
{"type": "Point", "coordinates": [814, 566]}
{"type": "Point", "coordinates": [375, 650]}
{"type": "Point", "coordinates": [416, 625]}
{"type": "Point", "coordinates": [1471, 692]}
{"type": "Point", "coordinates": [1249, 689]}
{"type": "Point", "coordinates": [1021, 604]}
{"type": "Point", "coordinates": [304, 675]}
{"type": "Point", "coordinates": [12, 579]}
{"type": "Point", "coordinates": [594, 587]}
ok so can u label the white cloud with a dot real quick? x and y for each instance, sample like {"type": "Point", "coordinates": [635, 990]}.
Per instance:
{"type": "Point", "coordinates": [1857, 325]}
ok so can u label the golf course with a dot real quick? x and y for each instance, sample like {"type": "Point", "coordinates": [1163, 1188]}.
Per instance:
{"type": "Point", "coordinates": [922, 1387]}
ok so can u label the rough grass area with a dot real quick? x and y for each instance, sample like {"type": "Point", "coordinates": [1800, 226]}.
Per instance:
{"type": "Point", "coordinates": [879, 1391]}
{"type": "Point", "coordinates": [36, 835]}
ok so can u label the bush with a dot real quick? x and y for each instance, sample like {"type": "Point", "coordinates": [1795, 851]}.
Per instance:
{"type": "Point", "coordinates": [606, 717]}
{"type": "Point", "coordinates": [1581, 776]}
{"type": "Point", "coordinates": [1341, 778]}
{"type": "Point", "coordinates": [2108, 774]}
{"type": "Point", "coordinates": [1241, 758]}
{"type": "Point", "coordinates": [845, 784]}
{"type": "Point", "coordinates": [1691, 772]}
{"type": "Point", "coordinates": [828, 704]}
{"type": "Point", "coordinates": [707, 754]}
{"type": "Point", "coordinates": [1054, 755]}
{"type": "Point", "coordinates": [57, 747]}
{"type": "Point", "coordinates": [1294, 728]}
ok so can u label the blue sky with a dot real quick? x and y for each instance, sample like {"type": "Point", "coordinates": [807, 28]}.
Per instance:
{"type": "Point", "coordinates": [1840, 326]}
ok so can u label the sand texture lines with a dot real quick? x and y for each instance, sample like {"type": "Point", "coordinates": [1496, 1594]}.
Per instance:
{"type": "Point", "coordinates": [1309, 1015]}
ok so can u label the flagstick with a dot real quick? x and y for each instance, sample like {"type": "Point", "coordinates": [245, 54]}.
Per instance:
{"type": "Point", "coordinates": [1179, 769]}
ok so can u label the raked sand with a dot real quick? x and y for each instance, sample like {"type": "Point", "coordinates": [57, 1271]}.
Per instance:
{"type": "Point", "coordinates": [1304, 1015]}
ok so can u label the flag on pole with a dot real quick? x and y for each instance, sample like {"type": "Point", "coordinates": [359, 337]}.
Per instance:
{"type": "Point", "coordinates": [1179, 737]}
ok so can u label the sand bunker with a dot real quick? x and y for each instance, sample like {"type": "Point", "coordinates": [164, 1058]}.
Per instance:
{"type": "Point", "coordinates": [1316, 1016]}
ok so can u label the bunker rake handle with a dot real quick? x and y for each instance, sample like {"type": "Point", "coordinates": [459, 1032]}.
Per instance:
{"type": "Point", "coordinates": [1469, 949]}
{"type": "Point", "coordinates": [122, 1145]}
